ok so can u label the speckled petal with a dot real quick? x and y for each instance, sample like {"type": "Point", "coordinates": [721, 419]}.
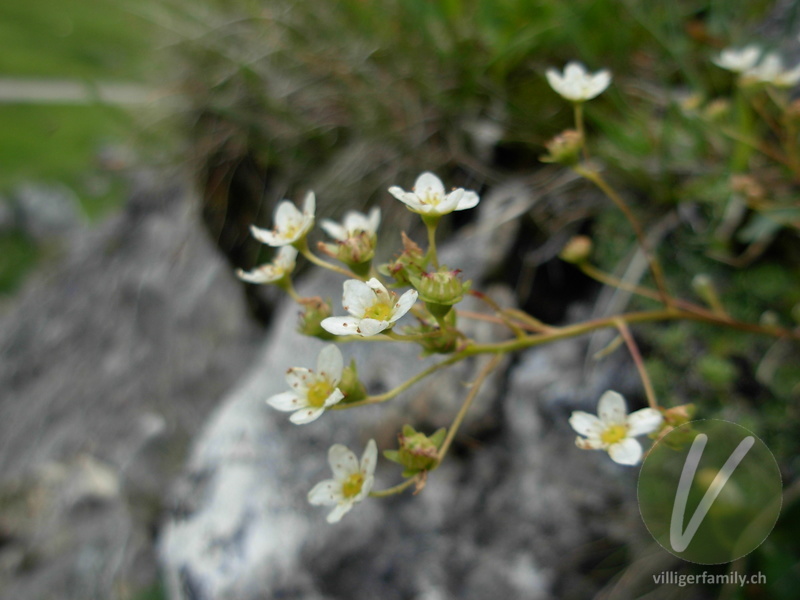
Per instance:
{"type": "Point", "coordinates": [341, 325]}
{"type": "Point", "coordinates": [403, 305]}
{"type": "Point", "coordinates": [287, 401]}
{"type": "Point", "coordinates": [370, 327]}
{"type": "Point", "coordinates": [330, 363]}
{"type": "Point", "coordinates": [643, 421]}
{"type": "Point", "coordinates": [306, 415]}
{"type": "Point", "coordinates": [342, 461]}
{"type": "Point", "coordinates": [611, 409]}
{"type": "Point", "coordinates": [325, 493]}
{"type": "Point", "coordinates": [357, 297]}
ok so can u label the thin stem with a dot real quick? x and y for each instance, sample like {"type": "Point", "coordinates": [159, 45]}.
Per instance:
{"type": "Point", "coordinates": [403, 386]}
{"type": "Point", "coordinates": [516, 329]}
{"type": "Point", "coordinates": [462, 412]}
{"type": "Point", "coordinates": [655, 266]}
{"type": "Point", "coordinates": [637, 359]}
{"type": "Point", "coordinates": [432, 255]}
{"type": "Point", "coordinates": [304, 250]}
{"type": "Point", "coordinates": [579, 127]}
{"type": "Point", "coordinates": [397, 489]}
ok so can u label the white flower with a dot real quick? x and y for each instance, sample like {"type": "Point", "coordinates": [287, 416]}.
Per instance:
{"type": "Point", "coordinates": [353, 224]}
{"type": "Point", "coordinates": [738, 61]}
{"type": "Point", "coordinates": [428, 197]}
{"type": "Point", "coordinates": [771, 70]}
{"type": "Point", "coordinates": [577, 84]}
{"type": "Point", "coordinates": [351, 481]}
{"type": "Point", "coordinates": [282, 265]}
{"type": "Point", "coordinates": [291, 225]}
{"type": "Point", "coordinates": [372, 306]}
{"type": "Point", "coordinates": [312, 392]}
{"type": "Point", "coordinates": [615, 429]}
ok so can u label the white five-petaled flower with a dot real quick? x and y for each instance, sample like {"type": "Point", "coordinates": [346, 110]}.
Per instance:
{"type": "Point", "coordinates": [738, 60]}
{"type": "Point", "coordinates": [428, 197]}
{"type": "Point", "coordinates": [351, 481]}
{"type": "Point", "coordinates": [372, 308]}
{"type": "Point", "coordinates": [282, 265]}
{"type": "Point", "coordinates": [613, 429]}
{"type": "Point", "coordinates": [771, 70]}
{"type": "Point", "coordinates": [353, 224]}
{"type": "Point", "coordinates": [577, 84]}
{"type": "Point", "coordinates": [291, 225]}
{"type": "Point", "coordinates": [312, 391]}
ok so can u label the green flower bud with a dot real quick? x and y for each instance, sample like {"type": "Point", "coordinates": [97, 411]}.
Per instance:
{"type": "Point", "coordinates": [564, 149]}
{"type": "Point", "coordinates": [578, 250]}
{"type": "Point", "coordinates": [355, 251]}
{"type": "Point", "coordinates": [410, 261]}
{"type": "Point", "coordinates": [417, 452]}
{"type": "Point", "coordinates": [315, 310]}
{"type": "Point", "coordinates": [350, 385]}
{"type": "Point", "coordinates": [443, 288]}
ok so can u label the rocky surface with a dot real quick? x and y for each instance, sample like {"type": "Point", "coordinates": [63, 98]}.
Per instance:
{"type": "Point", "coordinates": [109, 362]}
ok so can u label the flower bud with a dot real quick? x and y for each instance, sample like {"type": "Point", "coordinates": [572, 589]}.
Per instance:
{"type": "Point", "coordinates": [443, 287]}
{"type": "Point", "coordinates": [564, 149]}
{"type": "Point", "coordinates": [350, 385]}
{"type": "Point", "coordinates": [355, 251]}
{"type": "Point", "coordinates": [410, 261]}
{"type": "Point", "coordinates": [417, 452]}
{"type": "Point", "coordinates": [675, 417]}
{"type": "Point", "coordinates": [315, 310]}
{"type": "Point", "coordinates": [578, 250]}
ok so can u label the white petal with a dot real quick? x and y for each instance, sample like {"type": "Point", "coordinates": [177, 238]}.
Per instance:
{"type": "Point", "coordinates": [449, 203]}
{"type": "Point", "coordinates": [469, 200]}
{"type": "Point", "coordinates": [343, 462]}
{"type": "Point", "coordinates": [265, 236]}
{"type": "Point", "coordinates": [554, 79]}
{"type": "Point", "coordinates": [381, 293]}
{"type": "Point", "coordinates": [306, 415]}
{"type": "Point", "coordinates": [413, 203]}
{"type": "Point", "coordinates": [397, 192]}
{"type": "Point", "coordinates": [357, 297]}
{"type": "Point", "coordinates": [370, 327]}
{"type": "Point", "coordinates": [574, 71]}
{"type": "Point", "coordinates": [403, 305]}
{"type": "Point", "coordinates": [611, 409]}
{"type": "Point", "coordinates": [330, 363]}
{"type": "Point", "coordinates": [299, 378]}
{"type": "Point", "coordinates": [310, 205]}
{"type": "Point", "coordinates": [586, 424]}
{"type": "Point", "coordinates": [646, 420]}
{"type": "Point", "coordinates": [626, 452]}
{"type": "Point", "coordinates": [326, 492]}
{"type": "Point", "coordinates": [287, 401]}
{"type": "Point", "coordinates": [263, 274]}
{"type": "Point", "coordinates": [286, 215]}
{"type": "Point", "coordinates": [286, 259]}
{"type": "Point", "coordinates": [341, 510]}
{"type": "Point", "coordinates": [600, 81]}
{"type": "Point", "coordinates": [428, 181]}
{"type": "Point", "coordinates": [341, 325]}
{"type": "Point", "coordinates": [369, 459]}
{"type": "Point", "coordinates": [335, 397]}
{"type": "Point", "coordinates": [374, 219]}
{"type": "Point", "coordinates": [333, 229]}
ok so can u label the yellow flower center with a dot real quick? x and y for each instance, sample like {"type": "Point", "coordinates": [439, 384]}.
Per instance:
{"type": "Point", "coordinates": [318, 393]}
{"type": "Point", "coordinates": [352, 485]}
{"type": "Point", "coordinates": [614, 434]}
{"type": "Point", "coordinates": [378, 311]}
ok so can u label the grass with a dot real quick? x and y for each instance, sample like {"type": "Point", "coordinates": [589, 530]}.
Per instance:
{"type": "Point", "coordinates": [94, 40]}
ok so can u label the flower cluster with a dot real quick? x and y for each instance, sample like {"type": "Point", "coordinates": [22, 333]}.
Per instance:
{"type": "Point", "coordinates": [754, 66]}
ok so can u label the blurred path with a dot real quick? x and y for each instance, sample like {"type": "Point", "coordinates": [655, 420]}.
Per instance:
{"type": "Point", "coordinates": [64, 91]}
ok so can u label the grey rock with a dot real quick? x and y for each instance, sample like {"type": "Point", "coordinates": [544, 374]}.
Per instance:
{"type": "Point", "coordinates": [110, 361]}
{"type": "Point", "coordinates": [46, 211]}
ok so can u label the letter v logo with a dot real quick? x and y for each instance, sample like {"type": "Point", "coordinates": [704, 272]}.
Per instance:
{"type": "Point", "coordinates": [678, 539]}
